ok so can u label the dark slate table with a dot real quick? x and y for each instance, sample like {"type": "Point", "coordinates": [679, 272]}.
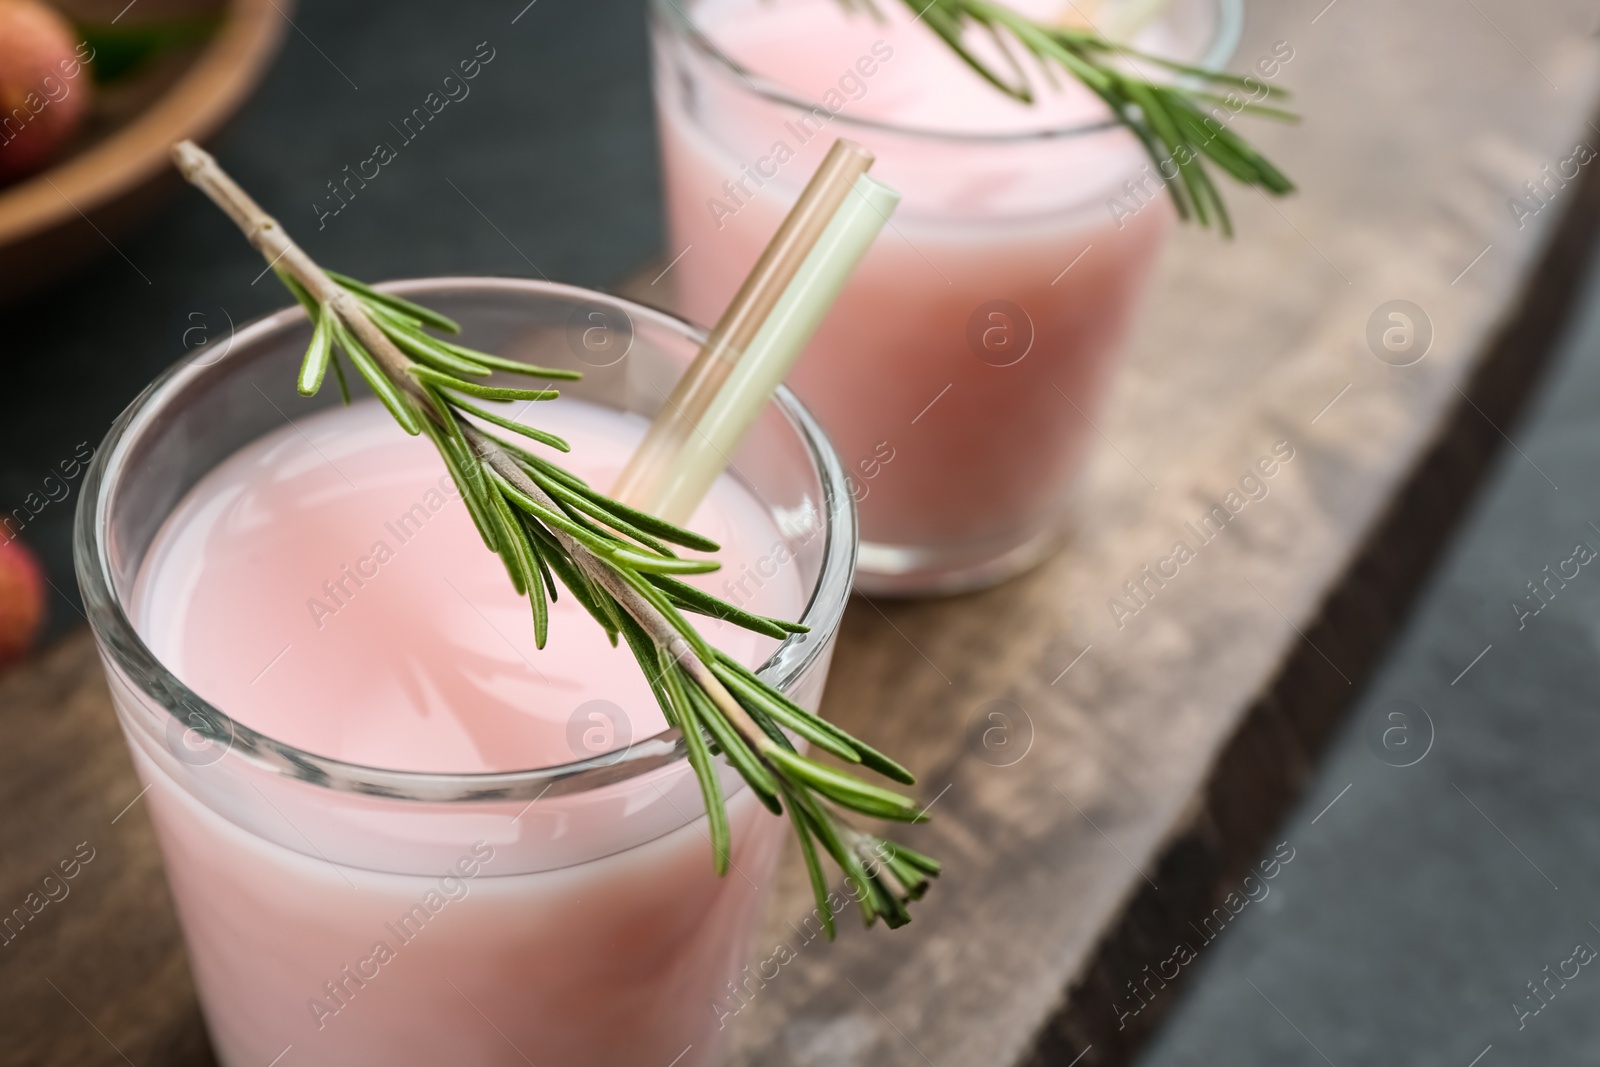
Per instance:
{"type": "Point", "coordinates": [1437, 874]}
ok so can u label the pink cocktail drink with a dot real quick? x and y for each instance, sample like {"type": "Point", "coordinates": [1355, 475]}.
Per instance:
{"type": "Point", "coordinates": [962, 369]}
{"type": "Point", "coordinates": [395, 831]}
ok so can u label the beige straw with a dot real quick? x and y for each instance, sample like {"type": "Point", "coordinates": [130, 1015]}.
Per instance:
{"type": "Point", "coordinates": [641, 480]}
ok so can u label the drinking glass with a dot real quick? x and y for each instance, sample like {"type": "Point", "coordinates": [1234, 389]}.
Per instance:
{"type": "Point", "coordinates": [962, 371]}
{"type": "Point", "coordinates": [344, 914]}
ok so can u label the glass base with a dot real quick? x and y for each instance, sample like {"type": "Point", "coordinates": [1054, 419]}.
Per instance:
{"type": "Point", "coordinates": [918, 571]}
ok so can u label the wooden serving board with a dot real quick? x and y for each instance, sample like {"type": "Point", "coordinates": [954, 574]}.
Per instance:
{"type": "Point", "coordinates": [1164, 750]}
{"type": "Point", "coordinates": [1140, 768]}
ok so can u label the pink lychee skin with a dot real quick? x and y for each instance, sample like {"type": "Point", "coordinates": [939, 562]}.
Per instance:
{"type": "Point", "coordinates": [42, 81]}
{"type": "Point", "coordinates": [21, 600]}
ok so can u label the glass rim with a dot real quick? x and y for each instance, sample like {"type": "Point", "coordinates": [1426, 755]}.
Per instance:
{"type": "Point", "coordinates": [120, 641]}
{"type": "Point", "coordinates": [1225, 38]}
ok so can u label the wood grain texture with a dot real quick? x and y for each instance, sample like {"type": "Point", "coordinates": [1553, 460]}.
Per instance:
{"type": "Point", "coordinates": [97, 976]}
{"type": "Point", "coordinates": [1166, 754]}
{"type": "Point", "coordinates": [1158, 764]}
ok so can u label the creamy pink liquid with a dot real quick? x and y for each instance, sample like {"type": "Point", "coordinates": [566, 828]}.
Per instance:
{"type": "Point", "coordinates": [326, 587]}
{"type": "Point", "coordinates": [974, 343]}
{"type": "Point", "coordinates": [576, 930]}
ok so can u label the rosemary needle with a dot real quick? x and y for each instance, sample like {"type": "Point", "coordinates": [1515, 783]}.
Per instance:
{"type": "Point", "coordinates": [1172, 120]}
{"type": "Point", "coordinates": [551, 529]}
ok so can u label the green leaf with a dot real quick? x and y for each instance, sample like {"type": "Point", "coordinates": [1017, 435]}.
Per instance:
{"type": "Point", "coordinates": [644, 650]}
{"type": "Point", "coordinates": [699, 759]}
{"type": "Point", "coordinates": [819, 884]}
{"type": "Point", "coordinates": [733, 747]}
{"type": "Point", "coordinates": [546, 581]}
{"type": "Point", "coordinates": [397, 402]}
{"type": "Point", "coordinates": [871, 758]}
{"type": "Point", "coordinates": [512, 366]}
{"type": "Point", "coordinates": [484, 392]}
{"type": "Point", "coordinates": [646, 563]}
{"type": "Point", "coordinates": [925, 864]}
{"type": "Point", "coordinates": [396, 303]}
{"type": "Point", "coordinates": [749, 694]}
{"type": "Point", "coordinates": [822, 825]}
{"type": "Point", "coordinates": [509, 536]}
{"type": "Point", "coordinates": [846, 789]}
{"type": "Point", "coordinates": [298, 291]}
{"type": "Point", "coordinates": [578, 584]}
{"type": "Point", "coordinates": [656, 527]}
{"type": "Point", "coordinates": [338, 373]}
{"type": "Point", "coordinates": [659, 601]}
{"type": "Point", "coordinates": [315, 366]}
{"type": "Point", "coordinates": [764, 721]}
{"type": "Point", "coordinates": [515, 427]}
{"type": "Point", "coordinates": [1266, 111]}
{"type": "Point", "coordinates": [585, 504]}
{"type": "Point", "coordinates": [698, 600]}
{"type": "Point", "coordinates": [554, 519]}
{"type": "Point", "coordinates": [418, 347]}
{"type": "Point", "coordinates": [1166, 129]}
{"type": "Point", "coordinates": [467, 476]}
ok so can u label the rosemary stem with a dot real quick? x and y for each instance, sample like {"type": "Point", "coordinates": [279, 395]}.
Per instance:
{"type": "Point", "coordinates": [269, 237]}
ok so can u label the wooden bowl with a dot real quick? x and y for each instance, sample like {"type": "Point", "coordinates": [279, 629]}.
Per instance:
{"type": "Point", "coordinates": [117, 171]}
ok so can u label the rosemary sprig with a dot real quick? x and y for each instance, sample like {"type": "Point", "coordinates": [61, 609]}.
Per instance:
{"type": "Point", "coordinates": [1173, 120]}
{"type": "Point", "coordinates": [551, 528]}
